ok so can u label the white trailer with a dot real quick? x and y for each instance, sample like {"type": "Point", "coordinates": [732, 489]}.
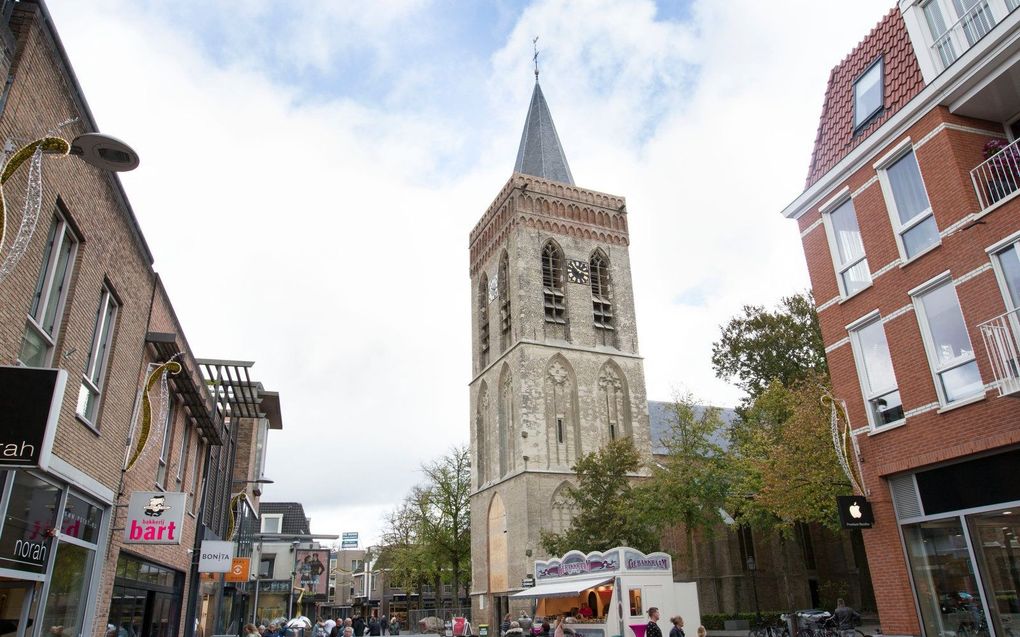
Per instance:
{"type": "Point", "coordinates": [608, 594]}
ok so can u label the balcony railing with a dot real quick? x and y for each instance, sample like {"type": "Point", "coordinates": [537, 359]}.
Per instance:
{"type": "Point", "coordinates": [1002, 343]}
{"type": "Point", "coordinates": [969, 28]}
{"type": "Point", "coordinates": [998, 177]}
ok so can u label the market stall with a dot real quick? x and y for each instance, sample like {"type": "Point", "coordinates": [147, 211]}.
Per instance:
{"type": "Point", "coordinates": [608, 594]}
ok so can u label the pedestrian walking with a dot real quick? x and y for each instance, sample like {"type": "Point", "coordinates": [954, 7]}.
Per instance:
{"type": "Point", "coordinates": [394, 625]}
{"type": "Point", "coordinates": [373, 626]}
{"type": "Point", "coordinates": [359, 626]}
{"type": "Point", "coordinates": [384, 626]}
{"type": "Point", "coordinates": [505, 626]}
{"type": "Point", "coordinates": [515, 630]}
{"type": "Point", "coordinates": [702, 632]}
{"type": "Point", "coordinates": [250, 630]}
{"type": "Point", "coordinates": [846, 618]}
{"type": "Point", "coordinates": [653, 627]}
{"type": "Point", "coordinates": [678, 627]}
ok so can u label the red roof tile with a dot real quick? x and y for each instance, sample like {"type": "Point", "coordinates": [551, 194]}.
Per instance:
{"type": "Point", "coordinates": [902, 79]}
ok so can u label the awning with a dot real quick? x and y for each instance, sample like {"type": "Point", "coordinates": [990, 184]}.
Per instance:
{"type": "Point", "coordinates": [563, 588]}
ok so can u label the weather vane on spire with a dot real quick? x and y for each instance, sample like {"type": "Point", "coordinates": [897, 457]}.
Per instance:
{"type": "Point", "coordinates": [534, 43]}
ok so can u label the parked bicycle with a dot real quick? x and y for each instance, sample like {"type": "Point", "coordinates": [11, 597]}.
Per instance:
{"type": "Point", "coordinates": [764, 628]}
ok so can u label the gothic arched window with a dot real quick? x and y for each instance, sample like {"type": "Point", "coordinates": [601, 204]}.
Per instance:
{"type": "Point", "coordinates": [481, 439]}
{"type": "Point", "coordinates": [503, 277]}
{"type": "Point", "coordinates": [601, 298]}
{"type": "Point", "coordinates": [483, 321]}
{"type": "Point", "coordinates": [553, 297]}
{"type": "Point", "coordinates": [563, 508]}
{"type": "Point", "coordinates": [507, 439]}
{"type": "Point", "coordinates": [615, 402]}
{"type": "Point", "coordinates": [563, 433]}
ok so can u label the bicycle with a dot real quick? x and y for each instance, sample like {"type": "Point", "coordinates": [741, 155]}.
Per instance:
{"type": "Point", "coordinates": [762, 628]}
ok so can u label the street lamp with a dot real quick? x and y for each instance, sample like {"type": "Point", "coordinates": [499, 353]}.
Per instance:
{"type": "Point", "coordinates": [256, 491]}
{"type": "Point", "coordinates": [104, 152]}
{"type": "Point", "coordinates": [753, 567]}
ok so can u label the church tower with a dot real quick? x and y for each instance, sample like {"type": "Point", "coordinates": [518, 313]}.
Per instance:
{"type": "Point", "coordinates": [556, 369]}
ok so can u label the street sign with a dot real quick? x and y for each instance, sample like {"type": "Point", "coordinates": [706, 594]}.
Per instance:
{"type": "Point", "coordinates": [528, 582]}
{"type": "Point", "coordinates": [349, 540]}
{"type": "Point", "coordinates": [854, 512]}
{"type": "Point", "coordinates": [215, 556]}
{"type": "Point", "coordinates": [240, 570]}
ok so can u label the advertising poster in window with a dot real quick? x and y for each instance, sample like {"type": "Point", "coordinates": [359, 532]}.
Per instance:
{"type": "Point", "coordinates": [155, 517]}
{"type": "Point", "coordinates": [311, 571]}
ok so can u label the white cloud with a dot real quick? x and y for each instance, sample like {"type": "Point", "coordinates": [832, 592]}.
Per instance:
{"type": "Point", "coordinates": [326, 237]}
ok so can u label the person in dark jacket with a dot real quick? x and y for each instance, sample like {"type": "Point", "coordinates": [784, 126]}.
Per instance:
{"type": "Point", "coordinates": [359, 626]}
{"type": "Point", "coordinates": [374, 629]}
{"type": "Point", "coordinates": [678, 627]}
{"type": "Point", "coordinates": [653, 628]}
{"type": "Point", "coordinates": [845, 617]}
{"type": "Point", "coordinates": [384, 626]}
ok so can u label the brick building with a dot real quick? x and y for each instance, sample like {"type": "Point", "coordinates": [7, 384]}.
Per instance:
{"type": "Point", "coordinates": [909, 226]}
{"type": "Point", "coordinates": [84, 305]}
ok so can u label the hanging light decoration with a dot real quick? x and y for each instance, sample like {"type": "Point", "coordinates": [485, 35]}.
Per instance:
{"type": "Point", "coordinates": [842, 440]}
{"type": "Point", "coordinates": [31, 153]}
{"type": "Point", "coordinates": [158, 375]}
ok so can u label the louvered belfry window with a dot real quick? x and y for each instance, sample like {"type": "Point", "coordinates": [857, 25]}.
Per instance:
{"type": "Point", "coordinates": [601, 300]}
{"type": "Point", "coordinates": [554, 298]}
{"type": "Point", "coordinates": [504, 301]}
{"type": "Point", "coordinates": [483, 321]}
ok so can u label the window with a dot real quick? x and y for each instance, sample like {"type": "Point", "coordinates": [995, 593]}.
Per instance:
{"type": "Point", "coordinates": [1008, 262]}
{"type": "Point", "coordinates": [869, 94]}
{"type": "Point", "coordinates": [745, 539]}
{"type": "Point", "coordinates": [847, 248]}
{"type": "Point", "coordinates": [164, 451]}
{"type": "Point", "coordinates": [272, 523]}
{"type": "Point", "coordinates": [950, 353]}
{"type": "Point", "coordinates": [503, 290]}
{"type": "Point", "coordinates": [560, 438]}
{"type": "Point", "coordinates": [601, 300]}
{"type": "Point", "coordinates": [908, 204]}
{"type": "Point", "coordinates": [875, 369]}
{"type": "Point", "coordinates": [266, 564]}
{"type": "Point", "coordinates": [50, 294]}
{"type": "Point", "coordinates": [483, 321]}
{"type": "Point", "coordinates": [553, 297]}
{"type": "Point", "coordinates": [806, 545]}
{"type": "Point", "coordinates": [182, 453]}
{"type": "Point", "coordinates": [635, 602]}
{"type": "Point", "coordinates": [95, 371]}
{"type": "Point", "coordinates": [193, 476]}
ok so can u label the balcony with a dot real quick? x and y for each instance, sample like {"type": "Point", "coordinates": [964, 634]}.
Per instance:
{"type": "Point", "coordinates": [997, 179]}
{"type": "Point", "coordinates": [970, 26]}
{"type": "Point", "coordinates": [1002, 343]}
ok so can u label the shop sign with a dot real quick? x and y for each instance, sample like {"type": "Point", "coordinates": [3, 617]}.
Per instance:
{"type": "Point", "coordinates": [215, 556]}
{"type": "Point", "coordinates": [155, 517]}
{"type": "Point", "coordinates": [349, 540]}
{"type": "Point", "coordinates": [638, 561]}
{"type": "Point", "coordinates": [30, 524]}
{"type": "Point", "coordinates": [854, 512]}
{"type": "Point", "coordinates": [30, 401]}
{"type": "Point", "coordinates": [240, 569]}
{"type": "Point", "coordinates": [577, 563]}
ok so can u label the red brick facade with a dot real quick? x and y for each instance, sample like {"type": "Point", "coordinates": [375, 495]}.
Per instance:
{"type": "Point", "coordinates": [946, 147]}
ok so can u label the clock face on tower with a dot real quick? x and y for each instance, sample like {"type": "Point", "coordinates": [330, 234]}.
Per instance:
{"type": "Point", "coordinates": [577, 272]}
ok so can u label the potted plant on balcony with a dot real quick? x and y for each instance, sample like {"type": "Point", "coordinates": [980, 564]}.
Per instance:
{"type": "Point", "coordinates": [1001, 168]}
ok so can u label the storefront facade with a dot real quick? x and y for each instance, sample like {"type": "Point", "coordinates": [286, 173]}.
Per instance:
{"type": "Point", "coordinates": [49, 548]}
{"type": "Point", "coordinates": [960, 525]}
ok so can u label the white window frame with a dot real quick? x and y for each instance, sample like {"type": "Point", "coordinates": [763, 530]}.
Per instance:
{"type": "Point", "coordinates": [934, 366]}
{"type": "Point", "coordinates": [99, 361]}
{"type": "Point", "coordinates": [183, 451]}
{"type": "Point", "coordinates": [271, 516]}
{"type": "Point", "coordinates": [898, 152]}
{"type": "Point", "coordinates": [880, 63]}
{"type": "Point", "coordinates": [826, 211]}
{"type": "Point", "coordinates": [854, 330]}
{"type": "Point", "coordinates": [166, 449]}
{"type": "Point", "coordinates": [994, 251]}
{"type": "Point", "coordinates": [62, 229]}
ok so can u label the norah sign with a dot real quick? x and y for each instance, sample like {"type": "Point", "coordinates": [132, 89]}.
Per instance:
{"type": "Point", "coordinates": [29, 408]}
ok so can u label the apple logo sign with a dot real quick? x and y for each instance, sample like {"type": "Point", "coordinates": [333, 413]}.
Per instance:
{"type": "Point", "coordinates": [855, 510]}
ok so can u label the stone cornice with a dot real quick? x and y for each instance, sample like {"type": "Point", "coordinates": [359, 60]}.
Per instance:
{"type": "Point", "coordinates": [550, 206]}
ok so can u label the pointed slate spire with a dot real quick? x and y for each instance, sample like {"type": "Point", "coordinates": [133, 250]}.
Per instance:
{"type": "Point", "coordinates": [540, 153]}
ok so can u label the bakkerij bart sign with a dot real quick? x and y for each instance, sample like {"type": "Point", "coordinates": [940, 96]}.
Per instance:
{"type": "Point", "coordinates": [612, 561]}
{"type": "Point", "coordinates": [155, 517]}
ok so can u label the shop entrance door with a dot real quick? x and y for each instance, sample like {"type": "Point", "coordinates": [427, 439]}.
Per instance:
{"type": "Point", "coordinates": [18, 602]}
{"type": "Point", "coordinates": [996, 540]}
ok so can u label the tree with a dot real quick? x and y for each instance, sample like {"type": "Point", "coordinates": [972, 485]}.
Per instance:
{"type": "Point", "coordinates": [604, 502]}
{"type": "Point", "coordinates": [763, 345]}
{"type": "Point", "coordinates": [690, 485]}
{"type": "Point", "coordinates": [786, 465]}
{"type": "Point", "coordinates": [410, 562]}
{"type": "Point", "coordinates": [444, 510]}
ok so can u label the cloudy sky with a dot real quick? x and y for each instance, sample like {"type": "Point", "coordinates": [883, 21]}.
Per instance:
{"type": "Point", "coordinates": [311, 170]}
